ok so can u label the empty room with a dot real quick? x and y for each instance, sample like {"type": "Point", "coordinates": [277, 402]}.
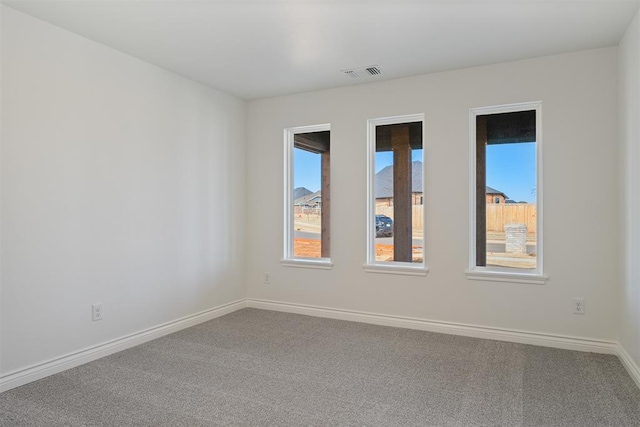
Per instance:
{"type": "Point", "coordinates": [319, 213]}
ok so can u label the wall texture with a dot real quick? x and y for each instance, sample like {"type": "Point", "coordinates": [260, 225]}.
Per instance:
{"type": "Point", "coordinates": [122, 184]}
{"type": "Point", "coordinates": [629, 53]}
{"type": "Point", "coordinates": [579, 117]}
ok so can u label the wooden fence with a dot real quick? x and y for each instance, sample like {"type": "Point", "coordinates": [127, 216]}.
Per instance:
{"type": "Point", "coordinates": [498, 215]}
{"type": "Point", "coordinates": [501, 214]}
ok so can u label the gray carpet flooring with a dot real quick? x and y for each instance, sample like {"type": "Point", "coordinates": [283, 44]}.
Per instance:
{"type": "Point", "coordinates": [264, 368]}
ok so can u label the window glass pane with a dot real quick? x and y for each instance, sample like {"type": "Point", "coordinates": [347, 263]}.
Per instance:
{"type": "Point", "coordinates": [307, 204]}
{"type": "Point", "coordinates": [510, 172]}
{"type": "Point", "coordinates": [399, 193]}
{"type": "Point", "coordinates": [309, 195]}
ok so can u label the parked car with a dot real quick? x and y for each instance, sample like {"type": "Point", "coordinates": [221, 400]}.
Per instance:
{"type": "Point", "coordinates": [384, 226]}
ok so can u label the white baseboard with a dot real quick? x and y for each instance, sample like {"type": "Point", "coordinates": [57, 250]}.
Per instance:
{"type": "Point", "coordinates": [59, 364]}
{"type": "Point", "coordinates": [630, 365]}
{"type": "Point", "coordinates": [522, 337]}
{"type": "Point", "coordinates": [53, 366]}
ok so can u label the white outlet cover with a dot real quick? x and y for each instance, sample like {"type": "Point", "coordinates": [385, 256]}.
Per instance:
{"type": "Point", "coordinates": [96, 312]}
{"type": "Point", "coordinates": [578, 306]}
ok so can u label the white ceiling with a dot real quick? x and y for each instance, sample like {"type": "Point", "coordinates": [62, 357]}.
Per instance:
{"type": "Point", "coordinates": [261, 48]}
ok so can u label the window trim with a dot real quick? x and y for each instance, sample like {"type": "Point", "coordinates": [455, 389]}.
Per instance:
{"type": "Point", "coordinates": [288, 259]}
{"type": "Point", "coordinates": [390, 267]}
{"type": "Point", "coordinates": [504, 274]}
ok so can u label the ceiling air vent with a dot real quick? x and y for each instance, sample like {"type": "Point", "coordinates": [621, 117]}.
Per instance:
{"type": "Point", "coordinates": [354, 73]}
{"type": "Point", "coordinates": [374, 70]}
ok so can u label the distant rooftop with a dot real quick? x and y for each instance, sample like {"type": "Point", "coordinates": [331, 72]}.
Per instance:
{"type": "Point", "coordinates": [494, 191]}
{"type": "Point", "coordinates": [384, 180]}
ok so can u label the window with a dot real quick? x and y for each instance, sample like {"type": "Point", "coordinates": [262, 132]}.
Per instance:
{"type": "Point", "coordinates": [506, 235]}
{"type": "Point", "coordinates": [395, 224]}
{"type": "Point", "coordinates": [307, 239]}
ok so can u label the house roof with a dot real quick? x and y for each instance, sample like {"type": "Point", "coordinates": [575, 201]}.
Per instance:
{"type": "Point", "coordinates": [308, 199]}
{"type": "Point", "coordinates": [384, 180]}
{"type": "Point", "coordinates": [494, 191]}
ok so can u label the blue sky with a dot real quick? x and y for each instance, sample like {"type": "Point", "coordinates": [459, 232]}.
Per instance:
{"type": "Point", "coordinates": [511, 168]}
{"type": "Point", "coordinates": [306, 170]}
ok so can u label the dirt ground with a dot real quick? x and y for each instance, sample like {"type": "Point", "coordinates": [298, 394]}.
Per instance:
{"type": "Point", "coordinates": [306, 248]}
{"type": "Point", "coordinates": [311, 248]}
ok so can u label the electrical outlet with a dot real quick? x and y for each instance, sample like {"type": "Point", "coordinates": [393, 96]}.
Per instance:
{"type": "Point", "coordinates": [578, 306]}
{"type": "Point", "coordinates": [267, 278]}
{"type": "Point", "coordinates": [96, 312]}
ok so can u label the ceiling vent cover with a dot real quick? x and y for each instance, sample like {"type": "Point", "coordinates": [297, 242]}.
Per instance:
{"type": "Point", "coordinates": [371, 70]}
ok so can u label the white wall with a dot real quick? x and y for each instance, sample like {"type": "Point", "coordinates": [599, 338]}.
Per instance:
{"type": "Point", "coordinates": [122, 183]}
{"type": "Point", "coordinates": [579, 95]}
{"type": "Point", "coordinates": [629, 52]}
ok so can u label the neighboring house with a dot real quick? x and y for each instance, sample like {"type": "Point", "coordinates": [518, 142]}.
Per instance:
{"type": "Point", "coordinates": [384, 185]}
{"type": "Point", "coordinates": [495, 197]}
{"type": "Point", "coordinates": [311, 200]}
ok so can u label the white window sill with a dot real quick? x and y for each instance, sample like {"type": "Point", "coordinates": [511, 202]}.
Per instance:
{"type": "Point", "coordinates": [405, 269]}
{"type": "Point", "coordinates": [506, 276]}
{"type": "Point", "coordinates": [317, 263]}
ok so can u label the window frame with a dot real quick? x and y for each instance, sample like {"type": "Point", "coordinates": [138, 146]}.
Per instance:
{"type": "Point", "coordinates": [289, 260]}
{"type": "Point", "coordinates": [391, 267]}
{"type": "Point", "coordinates": [504, 274]}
